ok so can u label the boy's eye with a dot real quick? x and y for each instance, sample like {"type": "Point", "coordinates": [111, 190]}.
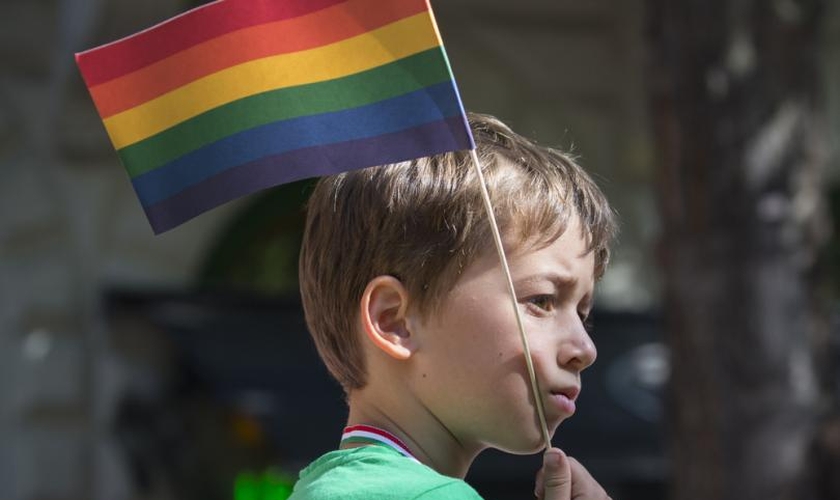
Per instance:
{"type": "Point", "coordinates": [543, 302]}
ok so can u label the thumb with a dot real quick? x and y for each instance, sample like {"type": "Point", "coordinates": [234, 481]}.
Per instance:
{"type": "Point", "coordinates": [556, 476]}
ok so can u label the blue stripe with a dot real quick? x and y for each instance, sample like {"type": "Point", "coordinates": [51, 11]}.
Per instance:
{"type": "Point", "coordinates": [425, 140]}
{"type": "Point", "coordinates": [426, 105]}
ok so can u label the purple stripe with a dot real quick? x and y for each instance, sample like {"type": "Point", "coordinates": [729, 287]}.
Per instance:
{"type": "Point", "coordinates": [424, 140]}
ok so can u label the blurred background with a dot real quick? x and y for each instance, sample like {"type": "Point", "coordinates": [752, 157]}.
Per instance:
{"type": "Point", "coordinates": [178, 366]}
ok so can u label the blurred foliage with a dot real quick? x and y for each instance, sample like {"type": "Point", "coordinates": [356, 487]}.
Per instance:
{"type": "Point", "coordinates": [258, 249]}
{"type": "Point", "coordinates": [270, 485]}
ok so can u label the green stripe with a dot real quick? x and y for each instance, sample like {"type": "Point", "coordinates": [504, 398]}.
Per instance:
{"type": "Point", "coordinates": [390, 80]}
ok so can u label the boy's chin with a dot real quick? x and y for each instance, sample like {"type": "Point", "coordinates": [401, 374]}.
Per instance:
{"type": "Point", "coordinates": [527, 446]}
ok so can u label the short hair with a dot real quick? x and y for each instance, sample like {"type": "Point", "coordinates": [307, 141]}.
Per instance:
{"type": "Point", "coordinates": [423, 221]}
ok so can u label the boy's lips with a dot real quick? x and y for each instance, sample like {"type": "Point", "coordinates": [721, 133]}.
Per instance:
{"type": "Point", "coordinates": [563, 399]}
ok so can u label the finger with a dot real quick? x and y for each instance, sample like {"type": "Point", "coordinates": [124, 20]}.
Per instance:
{"type": "Point", "coordinates": [584, 486]}
{"type": "Point", "coordinates": [556, 476]}
{"type": "Point", "coordinates": [538, 488]}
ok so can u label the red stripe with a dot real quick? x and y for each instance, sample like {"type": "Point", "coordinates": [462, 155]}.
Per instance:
{"type": "Point", "coordinates": [327, 26]}
{"type": "Point", "coordinates": [182, 32]}
{"type": "Point", "coordinates": [378, 432]}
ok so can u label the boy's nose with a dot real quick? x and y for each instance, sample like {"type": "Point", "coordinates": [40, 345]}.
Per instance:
{"type": "Point", "coordinates": [578, 351]}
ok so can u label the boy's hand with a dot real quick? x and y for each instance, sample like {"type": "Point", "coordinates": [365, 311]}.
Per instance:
{"type": "Point", "coordinates": [564, 478]}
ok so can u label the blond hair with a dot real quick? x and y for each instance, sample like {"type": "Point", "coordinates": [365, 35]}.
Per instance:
{"type": "Point", "coordinates": [423, 221]}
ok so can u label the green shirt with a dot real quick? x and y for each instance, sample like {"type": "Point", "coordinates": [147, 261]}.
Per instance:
{"type": "Point", "coordinates": [376, 473]}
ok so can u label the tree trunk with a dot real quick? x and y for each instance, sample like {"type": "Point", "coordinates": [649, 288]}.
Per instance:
{"type": "Point", "coordinates": [734, 96]}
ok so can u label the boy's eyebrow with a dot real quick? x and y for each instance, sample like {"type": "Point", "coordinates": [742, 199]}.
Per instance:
{"type": "Point", "coordinates": [560, 280]}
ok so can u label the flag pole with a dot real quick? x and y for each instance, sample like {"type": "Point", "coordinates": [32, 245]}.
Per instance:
{"type": "Point", "coordinates": [497, 239]}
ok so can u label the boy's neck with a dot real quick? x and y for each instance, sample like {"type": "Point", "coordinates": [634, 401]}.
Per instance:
{"type": "Point", "coordinates": [426, 438]}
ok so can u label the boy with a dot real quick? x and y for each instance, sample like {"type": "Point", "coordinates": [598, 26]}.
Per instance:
{"type": "Point", "coordinates": [409, 309]}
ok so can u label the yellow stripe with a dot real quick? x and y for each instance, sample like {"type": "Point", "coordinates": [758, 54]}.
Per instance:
{"type": "Point", "coordinates": [397, 40]}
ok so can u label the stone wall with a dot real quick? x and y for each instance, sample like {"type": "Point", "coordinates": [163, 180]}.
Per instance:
{"type": "Point", "coordinates": [69, 226]}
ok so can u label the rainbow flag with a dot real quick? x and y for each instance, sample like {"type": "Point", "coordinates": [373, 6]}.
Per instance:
{"type": "Point", "coordinates": [240, 95]}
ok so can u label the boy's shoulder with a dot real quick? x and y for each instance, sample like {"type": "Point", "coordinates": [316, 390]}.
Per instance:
{"type": "Point", "coordinates": [376, 473]}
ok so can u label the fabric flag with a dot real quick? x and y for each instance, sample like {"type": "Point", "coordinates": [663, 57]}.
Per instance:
{"type": "Point", "coordinates": [240, 95]}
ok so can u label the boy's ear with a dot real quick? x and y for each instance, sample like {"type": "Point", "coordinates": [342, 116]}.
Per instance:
{"type": "Point", "coordinates": [383, 313]}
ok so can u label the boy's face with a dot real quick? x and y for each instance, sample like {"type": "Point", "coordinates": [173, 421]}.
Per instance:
{"type": "Point", "coordinates": [471, 370]}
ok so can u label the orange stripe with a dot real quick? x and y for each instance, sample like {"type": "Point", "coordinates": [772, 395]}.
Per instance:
{"type": "Point", "coordinates": [321, 28]}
